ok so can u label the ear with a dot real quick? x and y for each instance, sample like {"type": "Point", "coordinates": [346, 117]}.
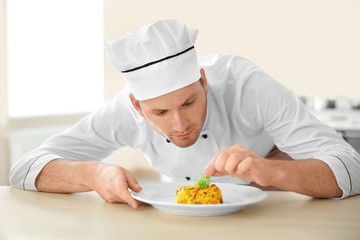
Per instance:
{"type": "Point", "coordinates": [204, 79]}
{"type": "Point", "coordinates": [136, 104]}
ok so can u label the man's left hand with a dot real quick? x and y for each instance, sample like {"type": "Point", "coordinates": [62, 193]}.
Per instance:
{"type": "Point", "coordinates": [241, 162]}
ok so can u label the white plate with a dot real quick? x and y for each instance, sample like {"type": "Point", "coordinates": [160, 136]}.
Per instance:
{"type": "Point", "coordinates": [163, 195]}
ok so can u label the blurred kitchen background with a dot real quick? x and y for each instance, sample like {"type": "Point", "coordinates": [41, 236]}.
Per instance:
{"type": "Point", "coordinates": [53, 70]}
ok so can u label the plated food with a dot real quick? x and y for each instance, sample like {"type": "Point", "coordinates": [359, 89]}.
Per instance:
{"type": "Point", "coordinates": [200, 193]}
{"type": "Point", "coordinates": [162, 197]}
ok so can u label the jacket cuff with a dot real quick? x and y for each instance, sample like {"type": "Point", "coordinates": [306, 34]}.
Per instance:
{"type": "Point", "coordinates": [340, 171]}
{"type": "Point", "coordinates": [34, 170]}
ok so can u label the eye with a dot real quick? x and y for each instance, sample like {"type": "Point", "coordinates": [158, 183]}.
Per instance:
{"type": "Point", "coordinates": [160, 113]}
{"type": "Point", "coordinates": [189, 103]}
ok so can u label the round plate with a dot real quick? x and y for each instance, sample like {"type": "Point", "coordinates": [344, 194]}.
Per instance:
{"type": "Point", "coordinates": [163, 195]}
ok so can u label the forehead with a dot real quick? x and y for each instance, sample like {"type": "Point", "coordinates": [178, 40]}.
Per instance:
{"type": "Point", "coordinates": [174, 98]}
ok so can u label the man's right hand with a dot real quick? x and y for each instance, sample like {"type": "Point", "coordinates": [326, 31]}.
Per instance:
{"type": "Point", "coordinates": [111, 182]}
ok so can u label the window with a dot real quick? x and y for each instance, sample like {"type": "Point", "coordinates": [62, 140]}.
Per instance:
{"type": "Point", "coordinates": [55, 56]}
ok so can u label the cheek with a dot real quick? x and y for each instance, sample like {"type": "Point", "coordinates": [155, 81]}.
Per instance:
{"type": "Point", "coordinates": [198, 113]}
{"type": "Point", "coordinates": [160, 124]}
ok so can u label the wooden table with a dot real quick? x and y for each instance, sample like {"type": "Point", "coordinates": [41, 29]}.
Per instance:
{"type": "Point", "coordinates": [283, 215]}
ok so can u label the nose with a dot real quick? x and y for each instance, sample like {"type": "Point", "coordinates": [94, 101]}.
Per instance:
{"type": "Point", "coordinates": [180, 122]}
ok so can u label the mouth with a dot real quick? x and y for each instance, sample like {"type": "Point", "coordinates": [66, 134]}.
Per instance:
{"type": "Point", "coordinates": [183, 135]}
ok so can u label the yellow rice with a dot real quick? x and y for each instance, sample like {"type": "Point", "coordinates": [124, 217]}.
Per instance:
{"type": "Point", "coordinates": [194, 195]}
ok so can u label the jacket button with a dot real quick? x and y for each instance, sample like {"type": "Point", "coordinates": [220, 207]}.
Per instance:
{"type": "Point", "coordinates": [204, 135]}
{"type": "Point", "coordinates": [187, 178]}
{"type": "Point", "coordinates": [167, 140]}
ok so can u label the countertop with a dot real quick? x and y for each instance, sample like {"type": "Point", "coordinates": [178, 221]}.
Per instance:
{"type": "Point", "coordinates": [283, 215]}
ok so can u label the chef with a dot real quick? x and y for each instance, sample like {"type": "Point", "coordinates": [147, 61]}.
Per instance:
{"type": "Point", "coordinates": [218, 115]}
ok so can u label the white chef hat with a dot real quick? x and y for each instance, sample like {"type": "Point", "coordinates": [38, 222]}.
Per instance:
{"type": "Point", "coordinates": [156, 59]}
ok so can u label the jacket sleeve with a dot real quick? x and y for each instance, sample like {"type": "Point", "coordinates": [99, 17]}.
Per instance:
{"type": "Point", "coordinates": [300, 134]}
{"type": "Point", "coordinates": [94, 137]}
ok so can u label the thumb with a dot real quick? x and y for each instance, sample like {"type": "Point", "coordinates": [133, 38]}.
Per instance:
{"type": "Point", "coordinates": [135, 187]}
{"type": "Point", "coordinates": [133, 183]}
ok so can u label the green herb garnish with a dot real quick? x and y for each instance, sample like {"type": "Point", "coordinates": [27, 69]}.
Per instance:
{"type": "Point", "coordinates": [203, 182]}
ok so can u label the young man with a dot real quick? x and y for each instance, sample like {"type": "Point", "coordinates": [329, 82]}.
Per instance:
{"type": "Point", "coordinates": [219, 115]}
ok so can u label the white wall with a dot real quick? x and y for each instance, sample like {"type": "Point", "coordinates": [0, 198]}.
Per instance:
{"type": "Point", "coordinates": [311, 46]}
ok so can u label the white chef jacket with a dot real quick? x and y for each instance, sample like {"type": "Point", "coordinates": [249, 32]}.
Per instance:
{"type": "Point", "coordinates": [245, 106]}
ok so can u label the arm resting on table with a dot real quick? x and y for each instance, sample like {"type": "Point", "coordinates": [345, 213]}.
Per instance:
{"type": "Point", "coordinates": [111, 182]}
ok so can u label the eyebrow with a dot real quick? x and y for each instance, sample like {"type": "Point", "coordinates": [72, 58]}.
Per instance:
{"type": "Point", "coordinates": [190, 98]}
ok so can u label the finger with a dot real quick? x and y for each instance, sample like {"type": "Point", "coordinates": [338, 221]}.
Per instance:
{"type": "Point", "coordinates": [210, 168]}
{"type": "Point", "coordinates": [221, 161]}
{"type": "Point", "coordinates": [125, 196]}
{"type": "Point", "coordinates": [243, 170]}
{"type": "Point", "coordinates": [218, 174]}
{"type": "Point", "coordinates": [232, 163]}
{"type": "Point", "coordinates": [217, 164]}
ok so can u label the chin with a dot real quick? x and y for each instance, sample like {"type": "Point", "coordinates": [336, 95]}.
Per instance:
{"type": "Point", "coordinates": [183, 144]}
